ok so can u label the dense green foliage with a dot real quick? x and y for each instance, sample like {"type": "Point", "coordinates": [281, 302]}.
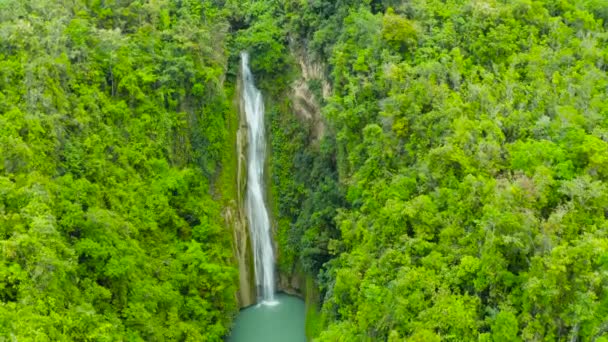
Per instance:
{"type": "Point", "coordinates": [459, 192]}
{"type": "Point", "coordinates": [112, 125]}
{"type": "Point", "coordinates": [471, 141]}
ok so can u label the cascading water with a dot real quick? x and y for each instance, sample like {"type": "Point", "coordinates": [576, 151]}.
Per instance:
{"type": "Point", "coordinates": [259, 223]}
{"type": "Point", "coordinates": [281, 317]}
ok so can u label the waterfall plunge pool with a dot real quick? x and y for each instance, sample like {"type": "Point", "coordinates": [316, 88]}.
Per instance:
{"type": "Point", "coordinates": [283, 321]}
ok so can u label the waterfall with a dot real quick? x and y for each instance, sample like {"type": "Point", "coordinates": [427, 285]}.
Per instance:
{"type": "Point", "coordinates": [259, 222]}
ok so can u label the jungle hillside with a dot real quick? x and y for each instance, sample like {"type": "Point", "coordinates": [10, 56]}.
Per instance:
{"type": "Point", "coordinates": [437, 169]}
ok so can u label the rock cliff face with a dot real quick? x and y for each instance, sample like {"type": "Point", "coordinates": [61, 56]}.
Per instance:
{"type": "Point", "coordinates": [305, 100]}
{"type": "Point", "coordinates": [306, 94]}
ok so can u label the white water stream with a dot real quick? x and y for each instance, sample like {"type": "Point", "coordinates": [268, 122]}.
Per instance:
{"type": "Point", "coordinates": [259, 223]}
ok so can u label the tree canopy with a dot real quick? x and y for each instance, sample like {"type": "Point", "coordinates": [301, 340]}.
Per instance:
{"type": "Point", "coordinates": [458, 190]}
{"type": "Point", "coordinates": [112, 127]}
{"type": "Point", "coordinates": [467, 151]}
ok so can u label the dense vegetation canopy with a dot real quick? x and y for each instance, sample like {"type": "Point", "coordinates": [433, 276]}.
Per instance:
{"type": "Point", "coordinates": [111, 128]}
{"type": "Point", "coordinates": [460, 193]}
{"type": "Point", "coordinates": [458, 190]}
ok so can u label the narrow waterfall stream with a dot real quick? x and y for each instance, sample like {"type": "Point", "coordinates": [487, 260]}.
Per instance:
{"type": "Point", "coordinates": [259, 223]}
{"type": "Point", "coordinates": [276, 317]}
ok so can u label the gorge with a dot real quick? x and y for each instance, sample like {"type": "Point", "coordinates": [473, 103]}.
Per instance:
{"type": "Point", "coordinates": [275, 317]}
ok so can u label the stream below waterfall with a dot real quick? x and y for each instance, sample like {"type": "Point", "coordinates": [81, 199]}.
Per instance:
{"type": "Point", "coordinates": [281, 322]}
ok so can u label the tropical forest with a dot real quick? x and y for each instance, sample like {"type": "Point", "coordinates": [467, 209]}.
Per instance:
{"type": "Point", "coordinates": [304, 170]}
